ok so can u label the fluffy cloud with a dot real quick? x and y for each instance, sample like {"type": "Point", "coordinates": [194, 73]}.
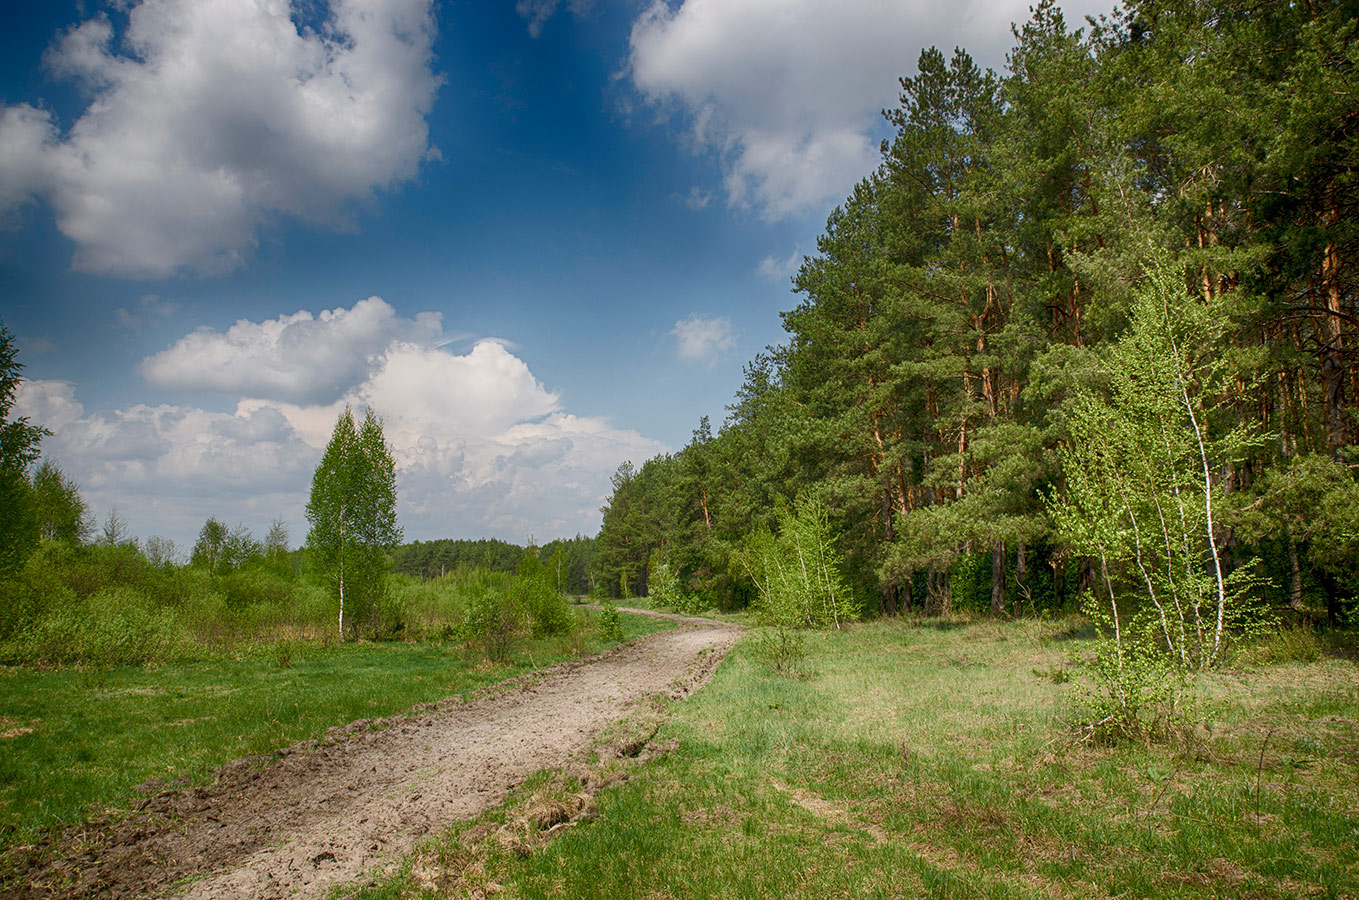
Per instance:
{"type": "Point", "coordinates": [214, 117]}
{"type": "Point", "coordinates": [482, 447]}
{"type": "Point", "coordinates": [702, 340]}
{"type": "Point", "coordinates": [789, 92]}
{"type": "Point", "coordinates": [300, 358]}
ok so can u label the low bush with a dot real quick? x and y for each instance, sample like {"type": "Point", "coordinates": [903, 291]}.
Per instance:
{"type": "Point", "coordinates": [1297, 644]}
{"type": "Point", "coordinates": [536, 593]}
{"type": "Point", "coordinates": [609, 625]}
{"type": "Point", "coordinates": [490, 623]}
{"type": "Point", "coordinates": [779, 648]}
{"type": "Point", "coordinates": [116, 626]}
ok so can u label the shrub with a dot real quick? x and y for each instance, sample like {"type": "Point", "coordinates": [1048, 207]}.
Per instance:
{"type": "Point", "coordinates": [490, 623]}
{"type": "Point", "coordinates": [1299, 644]}
{"type": "Point", "coordinates": [797, 571]}
{"type": "Point", "coordinates": [664, 589]}
{"type": "Point", "coordinates": [114, 627]}
{"type": "Point", "coordinates": [780, 648]}
{"type": "Point", "coordinates": [534, 592]}
{"type": "Point", "coordinates": [609, 624]}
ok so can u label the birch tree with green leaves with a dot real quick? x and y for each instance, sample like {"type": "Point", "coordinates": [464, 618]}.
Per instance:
{"type": "Point", "coordinates": [797, 570]}
{"type": "Point", "coordinates": [1143, 465]}
{"type": "Point", "coordinates": [352, 512]}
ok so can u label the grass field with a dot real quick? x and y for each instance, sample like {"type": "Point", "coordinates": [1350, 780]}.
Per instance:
{"type": "Point", "coordinates": [935, 761]}
{"type": "Point", "coordinates": [74, 737]}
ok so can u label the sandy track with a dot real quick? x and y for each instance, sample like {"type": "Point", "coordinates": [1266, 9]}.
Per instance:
{"type": "Point", "coordinates": [326, 813]}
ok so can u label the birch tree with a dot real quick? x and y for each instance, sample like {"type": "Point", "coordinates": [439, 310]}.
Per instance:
{"type": "Point", "coordinates": [352, 512]}
{"type": "Point", "coordinates": [1142, 466]}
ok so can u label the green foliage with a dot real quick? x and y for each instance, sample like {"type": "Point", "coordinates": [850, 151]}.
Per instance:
{"type": "Point", "coordinates": [664, 590]}
{"type": "Point", "coordinates": [219, 550]}
{"type": "Point", "coordinates": [352, 512]}
{"type": "Point", "coordinates": [1135, 689]}
{"type": "Point", "coordinates": [114, 627]}
{"type": "Point", "coordinates": [1286, 645]}
{"type": "Point", "coordinates": [1140, 493]}
{"type": "Point", "coordinates": [19, 522]}
{"type": "Point", "coordinates": [609, 626]}
{"type": "Point", "coordinates": [437, 559]}
{"type": "Point", "coordinates": [970, 582]}
{"type": "Point", "coordinates": [61, 511]}
{"type": "Point", "coordinates": [797, 571]}
{"type": "Point", "coordinates": [536, 594]}
{"type": "Point", "coordinates": [490, 622]}
{"type": "Point", "coordinates": [778, 647]}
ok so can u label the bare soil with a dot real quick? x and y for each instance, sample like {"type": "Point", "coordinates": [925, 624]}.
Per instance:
{"type": "Point", "coordinates": [317, 814]}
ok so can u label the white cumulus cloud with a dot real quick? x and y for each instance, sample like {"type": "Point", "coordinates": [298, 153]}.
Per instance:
{"type": "Point", "coordinates": [700, 339]}
{"type": "Point", "coordinates": [302, 358]}
{"type": "Point", "coordinates": [789, 92]}
{"type": "Point", "coordinates": [211, 118]}
{"type": "Point", "coordinates": [482, 447]}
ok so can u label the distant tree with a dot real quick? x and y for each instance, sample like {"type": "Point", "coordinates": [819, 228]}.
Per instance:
{"type": "Point", "coordinates": [115, 532]}
{"type": "Point", "coordinates": [161, 551]}
{"type": "Point", "coordinates": [352, 512]}
{"type": "Point", "coordinates": [18, 449]}
{"type": "Point", "coordinates": [61, 512]}
{"type": "Point", "coordinates": [276, 550]}
{"type": "Point", "coordinates": [209, 551]}
{"type": "Point", "coordinates": [241, 547]}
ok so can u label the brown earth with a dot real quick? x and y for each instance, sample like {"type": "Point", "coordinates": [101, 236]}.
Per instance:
{"type": "Point", "coordinates": [317, 814]}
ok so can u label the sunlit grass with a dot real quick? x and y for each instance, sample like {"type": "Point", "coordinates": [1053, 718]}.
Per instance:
{"type": "Point", "coordinates": [936, 760]}
{"type": "Point", "coordinates": [74, 737]}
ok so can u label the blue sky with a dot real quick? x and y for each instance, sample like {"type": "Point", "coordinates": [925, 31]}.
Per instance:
{"type": "Point", "coordinates": [537, 237]}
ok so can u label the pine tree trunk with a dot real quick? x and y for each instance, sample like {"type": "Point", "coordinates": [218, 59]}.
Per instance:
{"type": "Point", "coordinates": [998, 579]}
{"type": "Point", "coordinates": [1085, 577]}
{"type": "Point", "coordinates": [889, 599]}
{"type": "Point", "coordinates": [1332, 339]}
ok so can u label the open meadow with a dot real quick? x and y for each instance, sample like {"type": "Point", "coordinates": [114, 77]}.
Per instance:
{"type": "Point", "coordinates": [95, 741]}
{"type": "Point", "coordinates": [935, 759]}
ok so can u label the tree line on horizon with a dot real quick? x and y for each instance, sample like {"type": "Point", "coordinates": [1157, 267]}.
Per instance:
{"type": "Point", "coordinates": [959, 347]}
{"type": "Point", "coordinates": [72, 592]}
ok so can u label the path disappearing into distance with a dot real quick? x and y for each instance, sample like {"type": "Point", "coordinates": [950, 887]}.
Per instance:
{"type": "Point", "coordinates": [326, 813]}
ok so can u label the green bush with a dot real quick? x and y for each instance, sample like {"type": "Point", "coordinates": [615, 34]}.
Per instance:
{"type": "Point", "coordinates": [535, 593]}
{"type": "Point", "coordinates": [490, 623]}
{"type": "Point", "coordinates": [780, 648]}
{"type": "Point", "coordinates": [30, 594]}
{"type": "Point", "coordinates": [609, 625]}
{"type": "Point", "coordinates": [1286, 645]}
{"type": "Point", "coordinates": [1135, 693]}
{"type": "Point", "coordinates": [116, 626]}
{"type": "Point", "coordinates": [256, 587]}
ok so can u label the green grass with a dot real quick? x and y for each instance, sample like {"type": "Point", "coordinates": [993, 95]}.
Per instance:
{"type": "Point", "coordinates": [935, 761]}
{"type": "Point", "coordinates": [74, 737]}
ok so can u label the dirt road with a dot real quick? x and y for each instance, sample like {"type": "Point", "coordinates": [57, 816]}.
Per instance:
{"type": "Point", "coordinates": [326, 813]}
